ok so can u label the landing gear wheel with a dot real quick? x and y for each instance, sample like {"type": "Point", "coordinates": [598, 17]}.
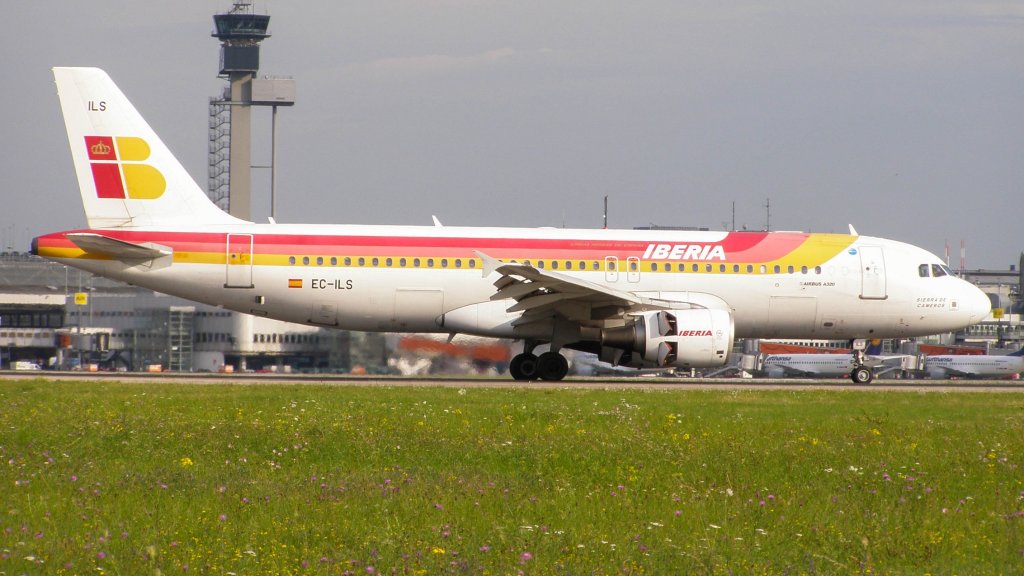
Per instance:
{"type": "Point", "coordinates": [552, 366]}
{"type": "Point", "coordinates": [523, 367]}
{"type": "Point", "coordinates": [861, 375]}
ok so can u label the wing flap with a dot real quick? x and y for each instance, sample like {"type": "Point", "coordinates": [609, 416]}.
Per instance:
{"type": "Point", "coordinates": [542, 293]}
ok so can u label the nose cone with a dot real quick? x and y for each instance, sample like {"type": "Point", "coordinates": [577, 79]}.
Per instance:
{"type": "Point", "coordinates": [975, 304]}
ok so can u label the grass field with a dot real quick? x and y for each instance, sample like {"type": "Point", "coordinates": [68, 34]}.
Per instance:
{"type": "Point", "coordinates": [267, 479]}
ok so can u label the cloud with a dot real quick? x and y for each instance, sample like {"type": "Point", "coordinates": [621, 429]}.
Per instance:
{"type": "Point", "coordinates": [407, 68]}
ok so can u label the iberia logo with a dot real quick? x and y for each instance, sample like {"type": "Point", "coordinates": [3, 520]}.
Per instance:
{"type": "Point", "coordinates": [118, 171]}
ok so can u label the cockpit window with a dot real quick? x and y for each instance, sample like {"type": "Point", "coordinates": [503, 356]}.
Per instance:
{"type": "Point", "coordinates": [922, 270]}
{"type": "Point", "coordinates": [938, 270]}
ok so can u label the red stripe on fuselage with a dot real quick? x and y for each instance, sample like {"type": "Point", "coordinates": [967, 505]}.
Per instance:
{"type": "Point", "coordinates": [738, 246]}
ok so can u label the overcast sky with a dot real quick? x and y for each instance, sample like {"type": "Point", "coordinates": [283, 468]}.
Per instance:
{"type": "Point", "coordinates": [905, 118]}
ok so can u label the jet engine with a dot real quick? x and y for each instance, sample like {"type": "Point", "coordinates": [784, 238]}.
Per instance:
{"type": "Point", "coordinates": [697, 338]}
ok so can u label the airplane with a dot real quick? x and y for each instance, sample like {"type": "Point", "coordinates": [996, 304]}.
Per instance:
{"type": "Point", "coordinates": [638, 298]}
{"type": "Point", "coordinates": [821, 365]}
{"type": "Point", "coordinates": [975, 366]}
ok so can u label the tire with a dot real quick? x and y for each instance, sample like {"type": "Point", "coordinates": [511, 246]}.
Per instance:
{"type": "Point", "coordinates": [523, 367]}
{"type": "Point", "coordinates": [552, 366]}
{"type": "Point", "coordinates": [862, 375]}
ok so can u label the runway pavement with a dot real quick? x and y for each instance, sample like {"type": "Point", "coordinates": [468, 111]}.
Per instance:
{"type": "Point", "coordinates": [645, 383]}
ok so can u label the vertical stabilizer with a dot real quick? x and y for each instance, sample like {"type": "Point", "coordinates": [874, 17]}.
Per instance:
{"type": "Point", "coordinates": [127, 176]}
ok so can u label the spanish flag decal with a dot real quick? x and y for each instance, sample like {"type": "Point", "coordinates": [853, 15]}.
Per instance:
{"type": "Point", "coordinates": [295, 283]}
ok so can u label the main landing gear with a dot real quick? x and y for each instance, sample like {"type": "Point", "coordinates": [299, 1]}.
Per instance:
{"type": "Point", "coordinates": [550, 366]}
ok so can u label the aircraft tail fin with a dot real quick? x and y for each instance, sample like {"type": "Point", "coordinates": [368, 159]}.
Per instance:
{"type": "Point", "coordinates": [127, 176]}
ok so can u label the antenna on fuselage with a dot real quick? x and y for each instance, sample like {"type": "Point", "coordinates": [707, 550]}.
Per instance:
{"type": "Point", "coordinates": [605, 211]}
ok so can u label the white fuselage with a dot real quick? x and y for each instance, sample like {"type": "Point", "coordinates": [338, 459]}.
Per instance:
{"type": "Point", "coordinates": [834, 298]}
{"type": "Point", "coordinates": [973, 366]}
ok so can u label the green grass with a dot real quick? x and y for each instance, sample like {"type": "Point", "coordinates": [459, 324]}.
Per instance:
{"type": "Point", "coordinates": [267, 479]}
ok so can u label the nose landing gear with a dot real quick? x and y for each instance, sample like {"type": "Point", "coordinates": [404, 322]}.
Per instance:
{"type": "Point", "coordinates": [860, 374]}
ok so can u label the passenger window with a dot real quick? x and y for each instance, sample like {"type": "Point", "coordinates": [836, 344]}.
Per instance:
{"type": "Point", "coordinates": [444, 262]}
{"type": "Point", "coordinates": [305, 260]}
{"type": "Point", "coordinates": [430, 262]}
{"type": "Point", "coordinates": [938, 270]}
{"type": "Point", "coordinates": [778, 268]}
{"type": "Point", "coordinates": [922, 270]}
{"type": "Point", "coordinates": [632, 266]}
{"type": "Point", "coordinates": [764, 269]}
{"type": "Point", "coordinates": [416, 262]}
{"type": "Point", "coordinates": [334, 260]}
{"type": "Point", "coordinates": [654, 267]}
{"type": "Point", "coordinates": [401, 262]}
{"type": "Point", "coordinates": [348, 261]}
{"type": "Point", "coordinates": [568, 265]}
{"type": "Point", "coordinates": [472, 262]}
{"type": "Point", "coordinates": [750, 268]}
{"type": "Point", "coordinates": [388, 262]}
{"type": "Point", "coordinates": [611, 265]}
{"type": "Point", "coordinates": [694, 268]}
{"type": "Point", "coordinates": [803, 269]}
{"type": "Point", "coordinates": [681, 267]}
{"type": "Point", "coordinates": [319, 260]}
{"type": "Point", "coordinates": [789, 269]}
{"type": "Point", "coordinates": [291, 260]}
{"type": "Point", "coordinates": [554, 264]}
{"type": "Point", "coordinates": [595, 265]}
{"type": "Point", "coordinates": [721, 267]}
{"type": "Point", "coordinates": [375, 262]}
{"type": "Point", "coordinates": [540, 264]}
{"type": "Point", "coordinates": [735, 267]}
{"type": "Point", "coordinates": [362, 261]}
{"type": "Point", "coordinates": [707, 267]}
{"type": "Point", "coordinates": [458, 262]}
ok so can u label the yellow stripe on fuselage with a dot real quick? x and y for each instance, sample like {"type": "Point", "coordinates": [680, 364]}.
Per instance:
{"type": "Point", "coordinates": [816, 250]}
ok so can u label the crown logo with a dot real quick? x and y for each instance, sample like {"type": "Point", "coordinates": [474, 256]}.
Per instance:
{"type": "Point", "coordinates": [100, 149]}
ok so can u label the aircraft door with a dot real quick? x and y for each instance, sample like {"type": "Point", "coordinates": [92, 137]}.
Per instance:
{"type": "Point", "coordinates": [872, 273]}
{"type": "Point", "coordinates": [611, 269]}
{"type": "Point", "coordinates": [633, 269]}
{"type": "Point", "coordinates": [239, 261]}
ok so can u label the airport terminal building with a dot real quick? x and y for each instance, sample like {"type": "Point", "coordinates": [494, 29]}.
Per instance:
{"type": "Point", "coordinates": [52, 316]}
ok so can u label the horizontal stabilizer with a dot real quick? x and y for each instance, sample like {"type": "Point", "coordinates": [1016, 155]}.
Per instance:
{"type": "Point", "coordinates": [115, 249]}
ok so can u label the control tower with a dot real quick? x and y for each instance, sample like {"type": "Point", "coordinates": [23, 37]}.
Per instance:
{"type": "Point", "coordinates": [240, 32]}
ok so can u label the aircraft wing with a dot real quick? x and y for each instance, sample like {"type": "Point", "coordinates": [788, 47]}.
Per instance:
{"type": "Point", "coordinates": [946, 372]}
{"type": "Point", "coordinates": [792, 371]}
{"type": "Point", "coordinates": [115, 249]}
{"type": "Point", "coordinates": [541, 294]}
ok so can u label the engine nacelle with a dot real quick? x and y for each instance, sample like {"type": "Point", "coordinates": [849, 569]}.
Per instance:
{"type": "Point", "coordinates": [697, 338]}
